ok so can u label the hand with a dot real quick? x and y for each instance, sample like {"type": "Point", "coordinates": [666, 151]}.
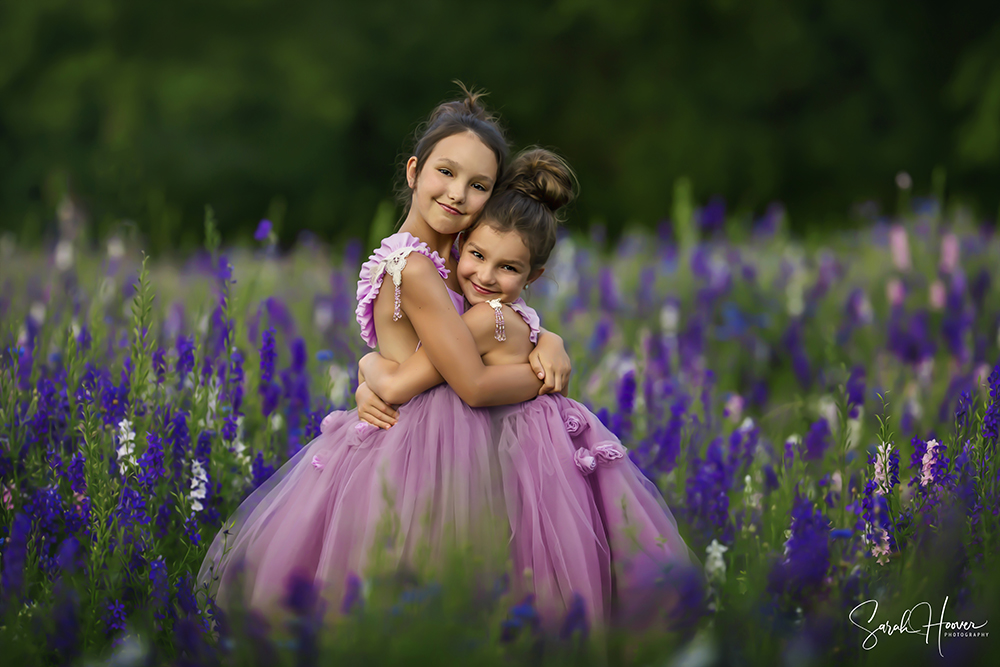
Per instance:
{"type": "Point", "coordinates": [373, 409]}
{"type": "Point", "coordinates": [551, 364]}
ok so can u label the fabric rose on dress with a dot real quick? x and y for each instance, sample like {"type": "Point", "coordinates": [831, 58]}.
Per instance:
{"type": "Point", "coordinates": [327, 423]}
{"type": "Point", "coordinates": [585, 460]}
{"type": "Point", "coordinates": [604, 454]}
{"type": "Point", "coordinates": [363, 430]}
{"type": "Point", "coordinates": [575, 422]}
{"type": "Point", "coordinates": [316, 463]}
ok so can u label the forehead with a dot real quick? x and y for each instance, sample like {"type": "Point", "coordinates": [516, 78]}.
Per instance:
{"type": "Point", "coordinates": [508, 244]}
{"type": "Point", "coordinates": [468, 151]}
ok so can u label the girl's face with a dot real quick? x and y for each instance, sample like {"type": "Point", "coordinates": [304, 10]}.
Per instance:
{"type": "Point", "coordinates": [494, 265]}
{"type": "Point", "coordinates": [454, 183]}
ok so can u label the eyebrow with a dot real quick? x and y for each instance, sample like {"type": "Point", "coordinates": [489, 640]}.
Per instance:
{"type": "Point", "coordinates": [455, 165]}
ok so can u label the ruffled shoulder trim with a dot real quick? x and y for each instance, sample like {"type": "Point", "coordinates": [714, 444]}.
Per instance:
{"type": "Point", "coordinates": [373, 272]}
{"type": "Point", "coordinates": [529, 315]}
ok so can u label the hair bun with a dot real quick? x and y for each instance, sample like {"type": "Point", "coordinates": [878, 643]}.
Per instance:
{"type": "Point", "coordinates": [468, 104]}
{"type": "Point", "coordinates": [543, 176]}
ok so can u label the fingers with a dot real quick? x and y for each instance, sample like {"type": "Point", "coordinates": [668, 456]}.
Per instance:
{"type": "Point", "coordinates": [536, 366]}
{"type": "Point", "coordinates": [374, 419]}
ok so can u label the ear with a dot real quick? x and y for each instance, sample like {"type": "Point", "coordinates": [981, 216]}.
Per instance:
{"type": "Point", "coordinates": [536, 274]}
{"type": "Point", "coordinates": [411, 171]}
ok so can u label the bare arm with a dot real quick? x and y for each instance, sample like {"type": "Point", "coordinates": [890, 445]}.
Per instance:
{"type": "Point", "coordinates": [550, 361]}
{"type": "Point", "coordinates": [397, 383]}
{"type": "Point", "coordinates": [451, 347]}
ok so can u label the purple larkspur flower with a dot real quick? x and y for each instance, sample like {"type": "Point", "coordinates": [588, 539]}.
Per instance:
{"type": "Point", "coordinates": [807, 551]}
{"type": "Point", "coordinates": [522, 616]}
{"type": "Point", "coordinates": [991, 418]}
{"type": "Point", "coordinates": [576, 619]}
{"type": "Point", "coordinates": [260, 470]}
{"type": "Point", "coordinates": [301, 593]}
{"type": "Point", "coordinates": [609, 296]}
{"type": "Point", "coordinates": [15, 555]}
{"type": "Point", "coordinates": [160, 364]}
{"type": "Point", "coordinates": [185, 356]}
{"type": "Point", "coordinates": [712, 218]}
{"type": "Point", "coordinates": [352, 594]}
{"type": "Point", "coordinates": [856, 390]}
{"type": "Point", "coordinates": [114, 617]}
{"type": "Point", "coordinates": [263, 230]}
{"type": "Point", "coordinates": [268, 356]}
{"type": "Point", "coordinates": [816, 441]}
{"type": "Point", "coordinates": [151, 462]}
{"type": "Point", "coordinates": [159, 589]}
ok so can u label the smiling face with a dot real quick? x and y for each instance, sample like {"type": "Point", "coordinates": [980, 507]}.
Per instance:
{"type": "Point", "coordinates": [454, 183]}
{"type": "Point", "coordinates": [494, 265]}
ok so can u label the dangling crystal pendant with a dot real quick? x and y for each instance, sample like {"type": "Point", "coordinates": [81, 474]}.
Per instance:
{"type": "Point", "coordinates": [500, 334]}
{"type": "Point", "coordinates": [396, 312]}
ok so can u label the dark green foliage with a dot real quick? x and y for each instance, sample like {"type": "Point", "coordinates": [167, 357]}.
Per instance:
{"type": "Point", "coordinates": [298, 111]}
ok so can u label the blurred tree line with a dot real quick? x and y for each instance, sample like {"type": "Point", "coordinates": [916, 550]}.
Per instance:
{"type": "Point", "coordinates": [300, 110]}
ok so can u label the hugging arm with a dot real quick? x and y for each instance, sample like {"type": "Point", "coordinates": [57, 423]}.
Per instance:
{"type": "Point", "coordinates": [450, 346]}
{"type": "Point", "coordinates": [397, 383]}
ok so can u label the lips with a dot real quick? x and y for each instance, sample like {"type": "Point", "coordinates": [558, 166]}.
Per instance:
{"type": "Point", "coordinates": [449, 210]}
{"type": "Point", "coordinates": [480, 290]}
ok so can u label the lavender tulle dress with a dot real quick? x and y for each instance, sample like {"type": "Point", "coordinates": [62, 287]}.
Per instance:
{"type": "Point", "coordinates": [358, 493]}
{"type": "Point", "coordinates": [585, 521]}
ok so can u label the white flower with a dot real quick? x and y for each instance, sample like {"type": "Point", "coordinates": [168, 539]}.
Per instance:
{"type": "Point", "coordinates": [64, 255]}
{"type": "Point", "coordinates": [277, 421]}
{"type": "Point", "coordinates": [116, 248]}
{"type": "Point", "coordinates": [715, 566]}
{"type": "Point", "coordinates": [747, 425]}
{"type": "Point", "coordinates": [827, 408]}
{"type": "Point", "coordinates": [37, 312]}
{"type": "Point", "coordinates": [340, 383]}
{"type": "Point", "coordinates": [199, 485]}
{"type": "Point", "coordinates": [881, 475]}
{"type": "Point", "coordinates": [669, 319]}
{"type": "Point", "coordinates": [126, 446]}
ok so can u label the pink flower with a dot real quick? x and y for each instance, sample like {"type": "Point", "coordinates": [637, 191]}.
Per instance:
{"type": "Point", "coordinates": [585, 460]}
{"type": "Point", "coordinates": [575, 422]}
{"type": "Point", "coordinates": [363, 430]}
{"type": "Point", "coordinates": [930, 457]}
{"type": "Point", "coordinates": [895, 292]}
{"type": "Point", "coordinates": [937, 295]}
{"type": "Point", "coordinates": [327, 423]}
{"type": "Point", "coordinates": [609, 452]}
{"type": "Point", "coordinates": [8, 499]}
{"type": "Point", "coordinates": [316, 463]}
{"type": "Point", "coordinates": [899, 243]}
{"type": "Point", "coordinates": [734, 408]}
{"type": "Point", "coordinates": [881, 550]}
{"type": "Point", "coordinates": [949, 252]}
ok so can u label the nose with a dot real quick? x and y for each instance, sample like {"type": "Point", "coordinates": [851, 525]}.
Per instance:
{"type": "Point", "coordinates": [456, 192]}
{"type": "Point", "coordinates": [485, 275]}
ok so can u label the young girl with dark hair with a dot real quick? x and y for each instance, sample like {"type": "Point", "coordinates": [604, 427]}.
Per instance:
{"type": "Point", "coordinates": [432, 482]}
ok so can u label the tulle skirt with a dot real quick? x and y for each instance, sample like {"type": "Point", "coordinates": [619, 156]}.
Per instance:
{"type": "Point", "coordinates": [356, 497]}
{"type": "Point", "coordinates": [584, 519]}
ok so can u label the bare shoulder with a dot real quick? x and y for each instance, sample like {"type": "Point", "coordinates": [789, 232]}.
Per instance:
{"type": "Point", "coordinates": [482, 322]}
{"type": "Point", "coordinates": [420, 267]}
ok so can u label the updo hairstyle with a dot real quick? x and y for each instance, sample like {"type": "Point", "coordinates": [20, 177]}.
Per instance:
{"type": "Point", "coordinates": [466, 114]}
{"type": "Point", "coordinates": [530, 201]}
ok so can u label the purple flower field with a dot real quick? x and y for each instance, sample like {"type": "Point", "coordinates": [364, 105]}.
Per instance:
{"type": "Point", "coordinates": [822, 417]}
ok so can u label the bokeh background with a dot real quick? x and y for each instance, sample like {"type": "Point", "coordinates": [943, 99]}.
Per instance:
{"type": "Point", "coordinates": [143, 113]}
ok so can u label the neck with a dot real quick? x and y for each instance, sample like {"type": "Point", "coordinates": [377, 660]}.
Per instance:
{"type": "Point", "coordinates": [436, 241]}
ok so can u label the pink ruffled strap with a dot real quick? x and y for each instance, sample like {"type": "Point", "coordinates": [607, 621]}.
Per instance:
{"type": "Point", "coordinates": [392, 253]}
{"type": "Point", "coordinates": [529, 315]}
